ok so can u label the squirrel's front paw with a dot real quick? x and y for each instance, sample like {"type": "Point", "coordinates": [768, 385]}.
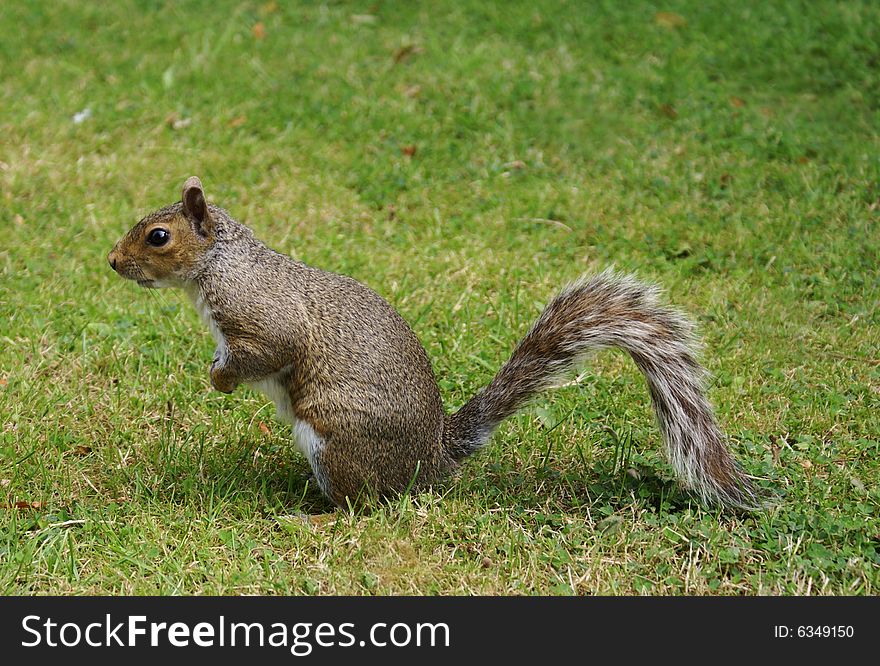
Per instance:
{"type": "Point", "coordinates": [220, 380]}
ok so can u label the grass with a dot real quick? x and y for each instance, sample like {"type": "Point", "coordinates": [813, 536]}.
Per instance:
{"type": "Point", "coordinates": [465, 162]}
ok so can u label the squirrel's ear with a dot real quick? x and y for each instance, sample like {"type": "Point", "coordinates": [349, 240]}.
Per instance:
{"type": "Point", "coordinates": [194, 204]}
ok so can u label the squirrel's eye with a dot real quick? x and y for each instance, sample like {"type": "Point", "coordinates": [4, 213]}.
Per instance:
{"type": "Point", "coordinates": [158, 237]}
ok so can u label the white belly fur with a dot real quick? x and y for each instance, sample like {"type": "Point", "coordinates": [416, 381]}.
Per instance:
{"type": "Point", "coordinates": [305, 438]}
{"type": "Point", "coordinates": [204, 310]}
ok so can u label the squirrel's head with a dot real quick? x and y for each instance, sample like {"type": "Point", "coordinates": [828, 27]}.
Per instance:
{"type": "Point", "coordinates": [163, 248]}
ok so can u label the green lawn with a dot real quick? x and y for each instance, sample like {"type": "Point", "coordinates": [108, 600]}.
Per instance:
{"type": "Point", "coordinates": [464, 162]}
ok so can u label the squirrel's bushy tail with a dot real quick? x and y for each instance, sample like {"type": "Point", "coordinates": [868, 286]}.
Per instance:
{"type": "Point", "coordinates": [612, 310]}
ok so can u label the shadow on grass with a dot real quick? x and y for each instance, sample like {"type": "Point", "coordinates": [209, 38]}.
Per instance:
{"type": "Point", "coordinates": [269, 480]}
{"type": "Point", "coordinates": [274, 480]}
{"type": "Point", "coordinates": [573, 491]}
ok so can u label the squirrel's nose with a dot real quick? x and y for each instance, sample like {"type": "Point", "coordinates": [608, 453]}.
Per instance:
{"type": "Point", "coordinates": [112, 259]}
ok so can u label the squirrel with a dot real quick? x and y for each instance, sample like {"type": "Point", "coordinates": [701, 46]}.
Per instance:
{"type": "Point", "coordinates": [351, 377]}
